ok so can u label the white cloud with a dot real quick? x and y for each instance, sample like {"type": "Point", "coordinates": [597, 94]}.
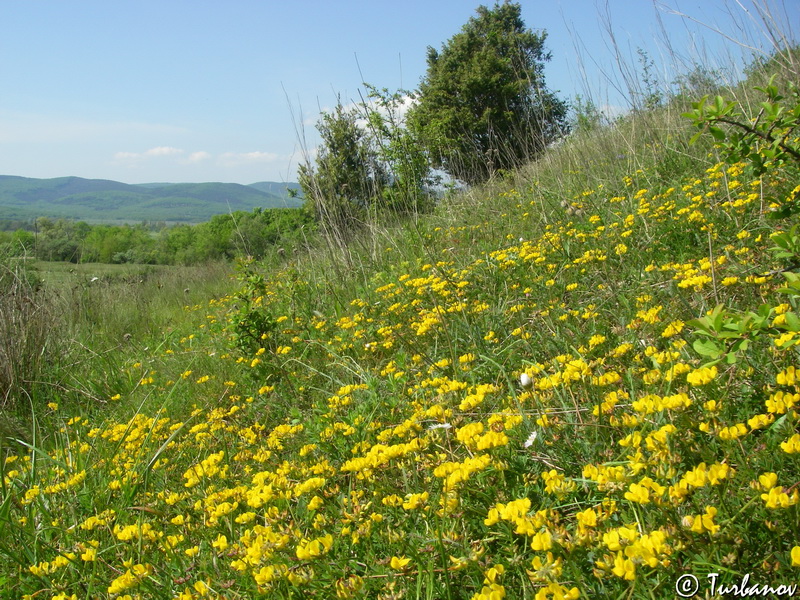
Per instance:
{"type": "Point", "coordinates": [137, 157]}
{"type": "Point", "coordinates": [403, 106]}
{"type": "Point", "coordinates": [235, 159]}
{"type": "Point", "coordinates": [196, 157]}
{"type": "Point", "coordinates": [163, 151]}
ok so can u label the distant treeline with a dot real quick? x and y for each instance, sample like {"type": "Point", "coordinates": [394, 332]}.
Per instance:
{"type": "Point", "coordinates": [225, 236]}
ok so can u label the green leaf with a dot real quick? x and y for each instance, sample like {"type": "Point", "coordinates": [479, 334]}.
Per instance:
{"type": "Point", "coordinates": [701, 325]}
{"type": "Point", "coordinates": [707, 348]}
{"type": "Point", "coordinates": [792, 321]}
{"type": "Point", "coordinates": [718, 315]}
{"type": "Point", "coordinates": [741, 345]}
{"type": "Point", "coordinates": [778, 423]}
{"type": "Point", "coordinates": [718, 134]}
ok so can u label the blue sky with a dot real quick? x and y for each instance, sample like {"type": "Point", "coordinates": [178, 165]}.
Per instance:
{"type": "Point", "coordinates": [203, 90]}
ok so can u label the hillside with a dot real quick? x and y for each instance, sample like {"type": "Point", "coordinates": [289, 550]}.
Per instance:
{"type": "Point", "coordinates": [98, 200]}
{"type": "Point", "coordinates": [578, 381]}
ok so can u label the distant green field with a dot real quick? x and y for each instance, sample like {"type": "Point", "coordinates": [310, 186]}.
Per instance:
{"type": "Point", "coordinates": [59, 273]}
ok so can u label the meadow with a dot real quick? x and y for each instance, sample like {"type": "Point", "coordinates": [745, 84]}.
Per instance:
{"type": "Point", "coordinates": [578, 381]}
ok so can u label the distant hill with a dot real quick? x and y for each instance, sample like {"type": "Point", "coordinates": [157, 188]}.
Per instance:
{"type": "Point", "coordinates": [101, 200]}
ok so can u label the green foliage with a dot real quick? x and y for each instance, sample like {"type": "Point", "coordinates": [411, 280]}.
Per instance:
{"type": "Point", "coordinates": [483, 105]}
{"type": "Point", "coordinates": [727, 334]}
{"type": "Point", "coordinates": [253, 326]}
{"type": "Point", "coordinates": [787, 246]}
{"type": "Point", "coordinates": [400, 151]}
{"type": "Point", "coordinates": [651, 96]}
{"type": "Point", "coordinates": [764, 140]}
{"type": "Point", "coordinates": [585, 115]}
{"type": "Point", "coordinates": [700, 81]}
{"type": "Point", "coordinates": [240, 233]}
{"type": "Point", "coordinates": [369, 166]}
{"type": "Point", "coordinates": [346, 177]}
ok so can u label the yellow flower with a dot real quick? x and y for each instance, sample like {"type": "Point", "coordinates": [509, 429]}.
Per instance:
{"type": "Point", "coordinates": [542, 541]}
{"type": "Point", "coordinates": [587, 518]}
{"type": "Point", "coordinates": [266, 574]}
{"type": "Point", "coordinates": [596, 340]}
{"type": "Point", "coordinates": [718, 471]}
{"type": "Point", "coordinates": [786, 377]}
{"type": "Point", "coordinates": [624, 567]}
{"type": "Point", "coordinates": [309, 549]}
{"type": "Point", "coordinates": [414, 501]}
{"type": "Point", "coordinates": [493, 591]}
{"type": "Point", "coordinates": [701, 376]}
{"type": "Point", "coordinates": [201, 587]}
{"type": "Point", "coordinates": [347, 588]}
{"type": "Point", "coordinates": [556, 591]}
{"type": "Point", "coordinates": [768, 480]}
{"type": "Point", "coordinates": [638, 493]}
{"type": "Point", "coordinates": [760, 421]}
{"type": "Point", "coordinates": [493, 573]}
{"type": "Point", "coordinates": [796, 556]}
{"type": "Point", "coordinates": [398, 563]}
{"type": "Point", "coordinates": [122, 583]}
{"type": "Point", "coordinates": [704, 522]}
{"type": "Point", "coordinates": [617, 539]}
{"type": "Point", "coordinates": [672, 329]}
{"type": "Point", "coordinates": [792, 445]}
{"type": "Point", "coordinates": [777, 498]}
{"type": "Point", "coordinates": [89, 555]}
{"type": "Point", "coordinates": [221, 543]}
{"type": "Point", "coordinates": [734, 432]}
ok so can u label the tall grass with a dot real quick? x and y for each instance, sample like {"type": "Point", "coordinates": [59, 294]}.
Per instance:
{"type": "Point", "coordinates": [28, 344]}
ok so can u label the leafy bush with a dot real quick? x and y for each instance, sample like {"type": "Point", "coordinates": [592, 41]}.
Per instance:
{"type": "Point", "coordinates": [483, 105]}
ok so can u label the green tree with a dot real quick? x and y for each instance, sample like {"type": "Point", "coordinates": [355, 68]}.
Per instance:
{"type": "Point", "coordinates": [483, 105]}
{"type": "Point", "coordinates": [585, 115]}
{"type": "Point", "coordinates": [347, 177]}
{"type": "Point", "coordinates": [400, 152]}
{"type": "Point", "coordinates": [22, 242]}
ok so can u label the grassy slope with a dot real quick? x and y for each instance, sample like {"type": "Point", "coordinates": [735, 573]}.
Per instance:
{"type": "Point", "coordinates": [355, 421]}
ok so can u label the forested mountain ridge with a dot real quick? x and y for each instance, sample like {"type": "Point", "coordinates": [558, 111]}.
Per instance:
{"type": "Point", "coordinates": [104, 200]}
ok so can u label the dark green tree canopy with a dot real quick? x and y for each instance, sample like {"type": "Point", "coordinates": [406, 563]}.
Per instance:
{"type": "Point", "coordinates": [483, 105]}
